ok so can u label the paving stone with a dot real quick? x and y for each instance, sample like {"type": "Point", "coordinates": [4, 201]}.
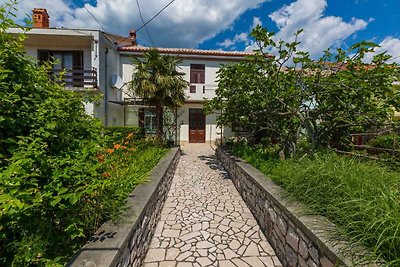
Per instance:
{"type": "Point", "coordinates": [172, 253]}
{"type": "Point", "coordinates": [155, 254]}
{"type": "Point", "coordinates": [251, 250]}
{"type": "Point", "coordinates": [204, 244]}
{"type": "Point", "coordinates": [267, 261]}
{"type": "Point", "coordinates": [226, 263]}
{"type": "Point", "coordinates": [204, 221]}
{"type": "Point", "coordinates": [184, 256]}
{"type": "Point", "coordinates": [167, 264]}
{"type": "Point", "coordinates": [170, 233]}
{"type": "Point", "coordinates": [253, 261]}
{"type": "Point", "coordinates": [229, 254]}
{"type": "Point", "coordinates": [241, 263]}
{"type": "Point", "coordinates": [204, 261]}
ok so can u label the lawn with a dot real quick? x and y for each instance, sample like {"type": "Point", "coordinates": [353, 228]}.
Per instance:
{"type": "Point", "coordinates": [361, 197]}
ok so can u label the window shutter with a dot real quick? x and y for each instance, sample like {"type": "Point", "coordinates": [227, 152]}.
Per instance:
{"type": "Point", "coordinates": [43, 56]}
{"type": "Point", "coordinates": [141, 117]}
{"type": "Point", "coordinates": [77, 59]}
{"type": "Point", "coordinates": [192, 76]}
{"type": "Point", "coordinates": [202, 77]}
{"type": "Point", "coordinates": [197, 73]}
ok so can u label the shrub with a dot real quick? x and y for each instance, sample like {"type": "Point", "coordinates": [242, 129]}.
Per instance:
{"type": "Point", "coordinates": [120, 132]}
{"type": "Point", "coordinates": [57, 181]}
{"type": "Point", "coordinates": [390, 141]}
{"type": "Point", "coordinates": [362, 199]}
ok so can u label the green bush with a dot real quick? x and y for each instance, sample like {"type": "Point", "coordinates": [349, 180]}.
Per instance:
{"type": "Point", "coordinates": [362, 199]}
{"type": "Point", "coordinates": [117, 133]}
{"type": "Point", "coordinates": [58, 183]}
{"type": "Point", "coordinates": [389, 141]}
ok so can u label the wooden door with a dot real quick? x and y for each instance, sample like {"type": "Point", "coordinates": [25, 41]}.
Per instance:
{"type": "Point", "coordinates": [197, 125]}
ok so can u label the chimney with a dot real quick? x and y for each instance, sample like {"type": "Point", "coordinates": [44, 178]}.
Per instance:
{"type": "Point", "coordinates": [132, 36]}
{"type": "Point", "coordinates": [40, 18]}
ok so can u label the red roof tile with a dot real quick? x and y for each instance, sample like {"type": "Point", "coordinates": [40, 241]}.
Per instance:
{"type": "Point", "coordinates": [187, 51]}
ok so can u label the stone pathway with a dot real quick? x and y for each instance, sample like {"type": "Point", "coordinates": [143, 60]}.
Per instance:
{"type": "Point", "coordinates": [204, 221]}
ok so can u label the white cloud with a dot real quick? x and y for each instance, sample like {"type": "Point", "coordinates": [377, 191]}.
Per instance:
{"type": "Point", "coordinates": [320, 32]}
{"type": "Point", "coordinates": [242, 37]}
{"type": "Point", "coordinates": [185, 23]}
{"type": "Point", "coordinates": [390, 45]}
{"type": "Point", "coordinates": [256, 22]}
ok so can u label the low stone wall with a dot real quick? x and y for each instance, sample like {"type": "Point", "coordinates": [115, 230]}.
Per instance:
{"type": "Point", "coordinates": [298, 240]}
{"type": "Point", "coordinates": [126, 242]}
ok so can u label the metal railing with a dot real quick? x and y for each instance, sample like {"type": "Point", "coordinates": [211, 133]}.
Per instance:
{"type": "Point", "coordinates": [76, 77]}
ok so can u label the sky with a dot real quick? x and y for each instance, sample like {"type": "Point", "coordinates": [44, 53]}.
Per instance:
{"type": "Point", "coordinates": [226, 24]}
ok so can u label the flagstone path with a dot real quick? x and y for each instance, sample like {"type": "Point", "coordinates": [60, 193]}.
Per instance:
{"type": "Point", "coordinates": [204, 221]}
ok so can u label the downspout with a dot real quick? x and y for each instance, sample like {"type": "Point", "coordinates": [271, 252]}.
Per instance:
{"type": "Point", "coordinates": [106, 90]}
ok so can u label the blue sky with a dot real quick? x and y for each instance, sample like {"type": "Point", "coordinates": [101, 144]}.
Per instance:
{"type": "Point", "coordinates": [384, 19]}
{"type": "Point", "coordinates": [225, 24]}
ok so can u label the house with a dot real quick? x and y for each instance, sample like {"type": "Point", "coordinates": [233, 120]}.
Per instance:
{"type": "Point", "coordinates": [200, 68]}
{"type": "Point", "coordinates": [87, 56]}
{"type": "Point", "coordinates": [96, 61]}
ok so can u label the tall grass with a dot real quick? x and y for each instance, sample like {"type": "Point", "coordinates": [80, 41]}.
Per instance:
{"type": "Point", "coordinates": [361, 198]}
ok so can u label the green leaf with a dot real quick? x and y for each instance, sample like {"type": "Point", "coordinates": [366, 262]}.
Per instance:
{"type": "Point", "coordinates": [55, 201]}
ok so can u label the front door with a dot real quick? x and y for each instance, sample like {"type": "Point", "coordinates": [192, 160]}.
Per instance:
{"type": "Point", "coordinates": [197, 125]}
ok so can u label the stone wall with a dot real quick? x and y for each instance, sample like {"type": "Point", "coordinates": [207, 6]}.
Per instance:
{"type": "Point", "coordinates": [298, 240]}
{"type": "Point", "coordinates": [125, 243]}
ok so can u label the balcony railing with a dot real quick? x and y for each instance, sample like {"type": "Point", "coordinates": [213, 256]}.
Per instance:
{"type": "Point", "coordinates": [77, 77]}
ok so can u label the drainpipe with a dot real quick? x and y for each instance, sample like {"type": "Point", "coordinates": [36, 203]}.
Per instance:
{"type": "Point", "coordinates": [106, 90]}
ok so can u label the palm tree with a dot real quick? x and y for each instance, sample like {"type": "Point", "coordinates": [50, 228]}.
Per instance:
{"type": "Point", "coordinates": [158, 81]}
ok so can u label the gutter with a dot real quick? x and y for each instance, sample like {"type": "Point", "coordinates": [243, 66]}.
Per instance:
{"type": "Point", "coordinates": [106, 90]}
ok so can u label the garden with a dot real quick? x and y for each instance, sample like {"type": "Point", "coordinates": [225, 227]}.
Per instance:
{"type": "Point", "coordinates": [295, 118]}
{"type": "Point", "coordinates": [62, 174]}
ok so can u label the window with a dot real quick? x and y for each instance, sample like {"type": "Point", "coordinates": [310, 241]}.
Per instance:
{"type": "Point", "coordinates": [193, 89]}
{"type": "Point", "coordinates": [148, 120]}
{"type": "Point", "coordinates": [65, 59]}
{"type": "Point", "coordinates": [197, 73]}
{"type": "Point", "coordinates": [69, 61]}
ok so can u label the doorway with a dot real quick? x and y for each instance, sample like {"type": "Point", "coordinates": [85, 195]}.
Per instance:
{"type": "Point", "coordinates": [197, 125]}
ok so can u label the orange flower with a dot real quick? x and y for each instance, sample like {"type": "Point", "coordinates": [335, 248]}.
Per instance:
{"type": "Point", "coordinates": [117, 146]}
{"type": "Point", "coordinates": [110, 150]}
{"type": "Point", "coordinates": [123, 147]}
{"type": "Point", "coordinates": [126, 142]}
{"type": "Point", "coordinates": [130, 135]}
{"type": "Point", "coordinates": [106, 174]}
{"type": "Point", "coordinates": [100, 158]}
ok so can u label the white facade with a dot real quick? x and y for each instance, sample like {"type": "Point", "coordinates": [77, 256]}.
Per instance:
{"type": "Point", "coordinates": [194, 100]}
{"type": "Point", "coordinates": [98, 53]}
{"type": "Point", "coordinates": [102, 52]}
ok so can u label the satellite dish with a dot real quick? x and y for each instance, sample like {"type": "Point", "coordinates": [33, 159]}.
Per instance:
{"type": "Point", "coordinates": [117, 82]}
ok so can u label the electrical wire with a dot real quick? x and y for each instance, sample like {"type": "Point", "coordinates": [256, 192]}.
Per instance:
{"type": "Point", "coordinates": [141, 17]}
{"type": "Point", "coordinates": [150, 20]}
{"type": "Point", "coordinates": [156, 15]}
{"type": "Point", "coordinates": [104, 29]}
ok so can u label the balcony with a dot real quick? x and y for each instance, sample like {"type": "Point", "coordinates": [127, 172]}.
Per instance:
{"type": "Point", "coordinates": [77, 78]}
{"type": "Point", "coordinates": [199, 92]}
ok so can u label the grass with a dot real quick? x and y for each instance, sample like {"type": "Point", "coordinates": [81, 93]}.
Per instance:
{"type": "Point", "coordinates": [361, 198]}
{"type": "Point", "coordinates": [389, 141]}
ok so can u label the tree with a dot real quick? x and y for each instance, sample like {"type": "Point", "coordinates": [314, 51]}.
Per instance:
{"type": "Point", "coordinates": [158, 81]}
{"type": "Point", "coordinates": [282, 95]}
{"type": "Point", "coordinates": [49, 173]}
